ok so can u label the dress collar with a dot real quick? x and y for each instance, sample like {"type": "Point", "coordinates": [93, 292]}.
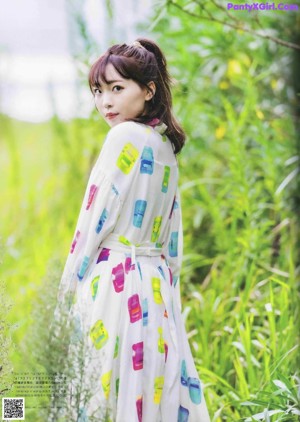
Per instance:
{"type": "Point", "coordinates": [157, 125]}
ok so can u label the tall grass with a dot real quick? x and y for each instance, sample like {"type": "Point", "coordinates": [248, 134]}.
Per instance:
{"type": "Point", "coordinates": [40, 204]}
{"type": "Point", "coordinates": [239, 277]}
{"type": "Point", "coordinates": [240, 274]}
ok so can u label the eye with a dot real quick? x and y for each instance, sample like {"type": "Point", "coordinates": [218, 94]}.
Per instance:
{"type": "Point", "coordinates": [117, 88]}
{"type": "Point", "coordinates": [96, 91]}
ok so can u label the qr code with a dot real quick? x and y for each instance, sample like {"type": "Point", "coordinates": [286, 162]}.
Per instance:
{"type": "Point", "coordinates": [13, 408]}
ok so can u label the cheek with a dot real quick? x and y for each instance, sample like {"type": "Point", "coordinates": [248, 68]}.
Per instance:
{"type": "Point", "coordinates": [141, 103]}
{"type": "Point", "coordinates": [97, 103]}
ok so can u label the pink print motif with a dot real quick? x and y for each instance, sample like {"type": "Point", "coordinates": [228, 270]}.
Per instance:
{"type": "Point", "coordinates": [138, 356]}
{"type": "Point", "coordinates": [166, 351]}
{"type": "Point", "coordinates": [139, 408]}
{"type": "Point", "coordinates": [172, 208]}
{"type": "Point", "coordinates": [118, 278]}
{"type": "Point", "coordinates": [134, 308]}
{"type": "Point", "coordinates": [128, 264]}
{"type": "Point", "coordinates": [154, 122]}
{"type": "Point", "coordinates": [171, 277]}
{"type": "Point", "coordinates": [103, 255]}
{"type": "Point", "coordinates": [75, 241]}
{"type": "Point", "coordinates": [93, 190]}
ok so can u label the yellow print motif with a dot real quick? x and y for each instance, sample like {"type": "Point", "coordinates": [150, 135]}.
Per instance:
{"type": "Point", "coordinates": [127, 158]}
{"type": "Point", "coordinates": [99, 334]}
{"type": "Point", "coordinates": [105, 381]}
{"type": "Point", "coordinates": [158, 387]}
{"type": "Point", "coordinates": [156, 290]}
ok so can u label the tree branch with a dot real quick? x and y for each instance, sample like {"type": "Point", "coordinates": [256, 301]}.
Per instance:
{"type": "Point", "coordinates": [234, 26]}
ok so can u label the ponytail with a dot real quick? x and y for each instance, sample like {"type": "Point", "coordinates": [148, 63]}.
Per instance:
{"type": "Point", "coordinates": [163, 97]}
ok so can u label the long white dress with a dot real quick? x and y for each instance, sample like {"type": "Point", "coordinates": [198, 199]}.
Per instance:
{"type": "Point", "coordinates": [123, 271]}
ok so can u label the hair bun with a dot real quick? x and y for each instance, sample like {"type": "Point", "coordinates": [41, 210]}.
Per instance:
{"type": "Point", "coordinates": [154, 49]}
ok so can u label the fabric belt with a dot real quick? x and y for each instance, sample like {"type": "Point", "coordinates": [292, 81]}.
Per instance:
{"type": "Point", "coordinates": [119, 243]}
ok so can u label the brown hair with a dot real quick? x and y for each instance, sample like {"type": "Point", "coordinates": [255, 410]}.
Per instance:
{"type": "Point", "coordinates": [143, 62]}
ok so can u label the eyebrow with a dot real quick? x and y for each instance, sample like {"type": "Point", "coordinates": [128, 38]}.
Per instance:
{"type": "Point", "coordinates": [111, 82]}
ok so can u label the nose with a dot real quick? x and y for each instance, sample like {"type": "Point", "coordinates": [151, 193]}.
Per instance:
{"type": "Point", "coordinates": [106, 100]}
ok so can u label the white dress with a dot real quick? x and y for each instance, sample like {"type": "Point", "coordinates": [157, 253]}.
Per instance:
{"type": "Point", "coordinates": [123, 276]}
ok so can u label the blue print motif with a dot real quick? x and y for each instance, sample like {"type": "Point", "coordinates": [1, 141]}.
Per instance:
{"type": "Point", "coordinates": [145, 311]}
{"type": "Point", "coordinates": [147, 162]}
{"type": "Point", "coordinates": [83, 267]}
{"type": "Point", "coordinates": [173, 244]}
{"type": "Point", "coordinates": [139, 211]}
{"type": "Point", "coordinates": [194, 390]}
{"type": "Point", "coordinates": [101, 221]}
{"type": "Point", "coordinates": [183, 414]}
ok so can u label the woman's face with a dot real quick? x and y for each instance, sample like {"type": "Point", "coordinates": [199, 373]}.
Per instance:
{"type": "Point", "coordinates": [120, 99]}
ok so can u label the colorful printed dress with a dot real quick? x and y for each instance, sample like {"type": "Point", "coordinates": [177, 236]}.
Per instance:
{"type": "Point", "coordinates": [123, 269]}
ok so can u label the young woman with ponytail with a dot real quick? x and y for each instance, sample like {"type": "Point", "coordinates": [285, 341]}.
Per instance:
{"type": "Point", "coordinates": [122, 272]}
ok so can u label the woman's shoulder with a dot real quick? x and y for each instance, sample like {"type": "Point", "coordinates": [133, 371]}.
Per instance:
{"type": "Point", "coordinates": [138, 137]}
{"type": "Point", "coordinates": [123, 139]}
{"type": "Point", "coordinates": [125, 129]}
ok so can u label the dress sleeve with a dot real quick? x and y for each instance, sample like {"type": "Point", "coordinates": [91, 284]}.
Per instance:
{"type": "Point", "coordinates": [109, 182]}
{"type": "Point", "coordinates": [173, 247]}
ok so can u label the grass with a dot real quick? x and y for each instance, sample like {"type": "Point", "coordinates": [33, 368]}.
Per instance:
{"type": "Point", "coordinates": [239, 278]}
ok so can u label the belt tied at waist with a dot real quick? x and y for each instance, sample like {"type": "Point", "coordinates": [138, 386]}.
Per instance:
{"type": "Point", "coordinates": [119, 243]}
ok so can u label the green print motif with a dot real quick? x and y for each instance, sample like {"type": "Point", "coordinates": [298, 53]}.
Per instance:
{"type": "Point", "coordinates": [122, 239]}
{"type": "Point", "coordinates": [116, 351]}
{"type": "Point", "coordinates": [165, 183]}
{"type": "Point", "coordinates": [117, 386]}
{"type": "Point", "coordinates": [94, 286]}
{"type": "Point", "coordinates": [127, 158]}
{"type": "Point", "coordinates": [156, 228]}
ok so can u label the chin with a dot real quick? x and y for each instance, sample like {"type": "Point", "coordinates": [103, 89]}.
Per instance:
{"type": "Point", "coordinates": [116, 122]}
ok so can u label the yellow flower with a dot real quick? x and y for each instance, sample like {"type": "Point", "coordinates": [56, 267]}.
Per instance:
{"type": "Point", "coordinates": [234, 68]}
{"type": "Point", "coordinates": [220, 132]}
{"type": "Point", "coordinates": [259, 114]}
{"type": "Point", "coordinates": [274, 84]}
{"type": "Point", "coordinates": [224, 85]}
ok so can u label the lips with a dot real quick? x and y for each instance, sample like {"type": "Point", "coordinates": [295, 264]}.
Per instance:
{"type": "Point", "coordinates": [111, 115]}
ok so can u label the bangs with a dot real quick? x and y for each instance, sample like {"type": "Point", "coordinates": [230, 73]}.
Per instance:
{"type": "Point", "coordinates": [125, 66]}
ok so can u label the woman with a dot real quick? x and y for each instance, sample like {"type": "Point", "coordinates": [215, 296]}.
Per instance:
{"type": "Point", "coordinates": [122, 273]}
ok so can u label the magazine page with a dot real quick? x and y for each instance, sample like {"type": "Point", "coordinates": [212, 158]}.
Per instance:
{"type": "Point", "coordinates": [150, 185]}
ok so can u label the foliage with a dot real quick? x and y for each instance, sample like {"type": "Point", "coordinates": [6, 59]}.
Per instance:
{"type": "Point", "coordinates": [5, 341]}
{"type": "Point", "coordinates": [238, 178]}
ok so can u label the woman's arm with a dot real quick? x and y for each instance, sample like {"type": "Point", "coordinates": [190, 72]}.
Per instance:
{"type": "Point", "coordinates": [108, 185]}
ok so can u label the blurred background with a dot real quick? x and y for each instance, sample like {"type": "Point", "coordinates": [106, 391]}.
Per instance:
{"type": "Point", "coordinates": [236, 93]}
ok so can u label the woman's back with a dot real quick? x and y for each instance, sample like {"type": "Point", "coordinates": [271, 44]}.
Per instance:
{"type": "Point", "coordinates": [148, 203]}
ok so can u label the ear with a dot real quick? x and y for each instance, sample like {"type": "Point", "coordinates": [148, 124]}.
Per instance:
{"type": "Point", "coordinates": [150, 91]}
